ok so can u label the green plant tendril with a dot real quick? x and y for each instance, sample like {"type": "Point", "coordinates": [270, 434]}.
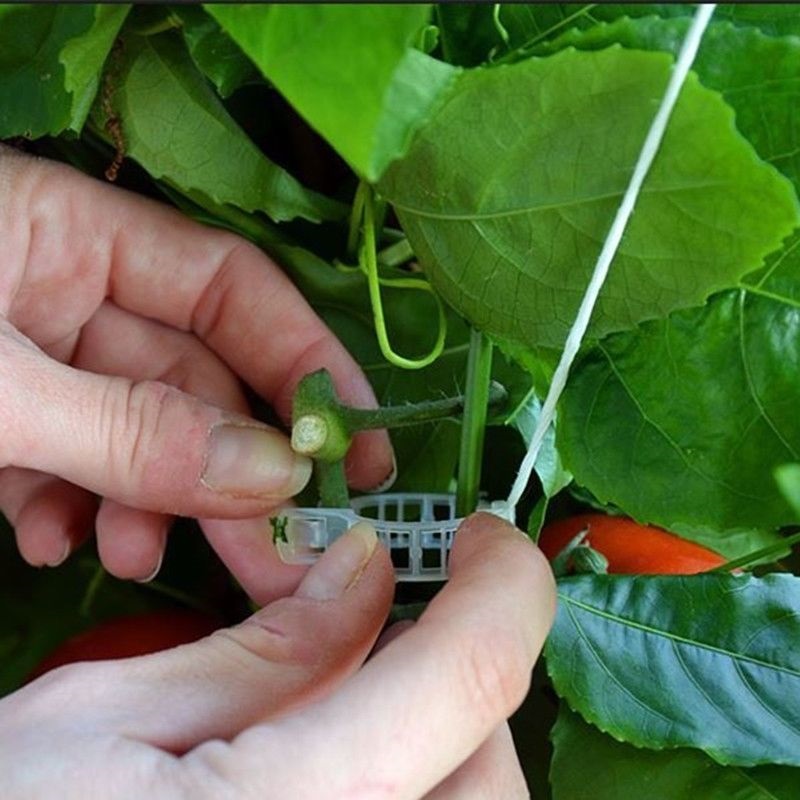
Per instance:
{"type": "Point", "coordinates": [368, 259]}
{"type": "Point", "coordinates": [501, 29]}
{"type": "Point", "coordinates": [356, 215]}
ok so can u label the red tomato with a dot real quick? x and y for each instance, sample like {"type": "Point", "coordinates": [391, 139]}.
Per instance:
{"type": "Point", "coordinates": [631, 548]}
{"type": "Point", "coordinates": [135, 635]}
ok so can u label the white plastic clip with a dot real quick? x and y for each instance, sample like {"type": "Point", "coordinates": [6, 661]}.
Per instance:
{"type": "Point", "coordinates": [418, 530]}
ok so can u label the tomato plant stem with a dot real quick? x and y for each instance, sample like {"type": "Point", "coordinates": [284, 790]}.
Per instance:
{"type": "Point", "coordinates": [322, 427]}
{"type": "Point", "coordinates": [476, 404]}
{"type": "Point", "coordinates": [415, 413]}
{"type": "Point", "coordinates": [332, 484]}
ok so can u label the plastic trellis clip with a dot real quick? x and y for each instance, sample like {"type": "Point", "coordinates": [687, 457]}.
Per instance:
{"type": "Point", "coordinates": [417, 528]}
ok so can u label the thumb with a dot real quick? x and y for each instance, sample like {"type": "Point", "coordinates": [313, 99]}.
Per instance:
{"type": "Point", "coordinates": [143, 444]}
{"type": "Point", "coordinates": [290, 653]}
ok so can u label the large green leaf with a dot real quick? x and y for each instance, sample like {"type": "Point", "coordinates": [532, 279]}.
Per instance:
{"type": "Point", "coordinates": [588, 765]}
{"type": "Point", "coordinates": [349, 70]}
{"type": "Point", "coordinates": [51, 57]}
{"type": "Point", "coordinates": [507, 195]}
{"type": "Point", "coordinates": [176, 127]}
{"type": "Point", "coordinates": [704, 661]}
{"type": "Point", "coordinates": [778, 19]}
{"type": "Point", "coordinates": [756, 74]}
{"type": "Point", "coordinates": [683, 421]}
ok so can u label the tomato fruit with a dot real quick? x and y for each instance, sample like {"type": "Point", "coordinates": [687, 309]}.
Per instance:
{"type": "Point", "coordinates": [128, 636]}
{"type": "Point", "coordinates": [631, 548]}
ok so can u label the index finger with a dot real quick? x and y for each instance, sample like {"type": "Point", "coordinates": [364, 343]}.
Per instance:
{"type": "Point", "coordinates": [426, 701]}
{"type": "Point", "coordinates": [162, 265]}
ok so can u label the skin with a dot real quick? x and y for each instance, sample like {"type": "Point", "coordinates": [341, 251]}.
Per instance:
{"type": "Point", "coordinates": [125, 331]}
{"type": "Point", "coordinates": [112, 284]}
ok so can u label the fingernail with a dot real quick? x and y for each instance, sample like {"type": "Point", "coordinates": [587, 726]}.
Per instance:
{"type": "Point", "coordinates": [341, 566]}
{"type": "Point", "coordinates": [154, 572]}
{"type": "Point", "coordinates": [62, 558]}
{"type": "Point", "coordinates": [388, 482]}
{"type": "Point", "coordinates": [249, 461]}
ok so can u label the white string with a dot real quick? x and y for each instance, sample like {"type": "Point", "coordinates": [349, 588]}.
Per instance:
{"type": "Point", "coordinates": [648, 153]}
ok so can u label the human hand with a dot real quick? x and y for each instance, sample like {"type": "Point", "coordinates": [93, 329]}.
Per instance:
{"type": "Point", "coordinates": [280, 706]}
{"type": "Point", "coordinates": [98, 282]}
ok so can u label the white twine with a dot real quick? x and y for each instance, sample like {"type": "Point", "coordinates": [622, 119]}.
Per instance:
{"type": "Point", "coordinates": [648, 153]}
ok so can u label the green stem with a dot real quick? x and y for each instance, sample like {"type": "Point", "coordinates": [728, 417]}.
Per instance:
{"type": "Point", "coordinates": [358, 419]}
{"type": "Point", "coordinates": [322, 427]}
{"type": "Point", "coordinates": [476, 406]}
{"type": "Point", "coordinates": [759, 555]}
{"type": "Point", "coordinates": [356, 216]}
{"type": "Point", "coordinates": [332, 484]}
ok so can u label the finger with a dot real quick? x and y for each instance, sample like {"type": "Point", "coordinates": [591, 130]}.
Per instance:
{"type": "Point", "coordinates": [230, 293]}
{"type": "Point", "coordinates": [288, 654]}
{"type": "Point", "coordinates": [142, 444]}
{"type": "Point", "coordinates": [434, 694]}
{"type": "Point", "coordinates": [116, 342]}
{"type": "Point", "coordinates": [51, 518]}
{"type": "Point", "coordinates": [131, 542]}
{"type": "Point", "coordinates": [245, 547]}
{"type": "Point", "coordinates": [492, 772]}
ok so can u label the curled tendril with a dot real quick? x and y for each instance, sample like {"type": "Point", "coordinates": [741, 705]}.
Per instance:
{"type": "Point", "coordinates": [368, 263]}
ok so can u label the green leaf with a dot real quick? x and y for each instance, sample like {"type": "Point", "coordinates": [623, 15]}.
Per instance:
{"type": "Point", "coordinates": [777, 19]}
{"type": "Point", "coordinates": [51, 57]}
{"type": "Point", "coordinates": [176, 127]}
{"type": "Point", "coordinates": [682, 422]}
{"type": "Point", "coordinates": [704, 661]}
{"type": "Point", "coordinates": [349, 70]}
{"type": "Point", "coordinates": [756, 75]}
{"type": "Point", "coordinates": [507, 194]}
{"type": "Point", "coordinates": [217, 56]}
{"type": "Point", "coordinates": [588, 765]}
